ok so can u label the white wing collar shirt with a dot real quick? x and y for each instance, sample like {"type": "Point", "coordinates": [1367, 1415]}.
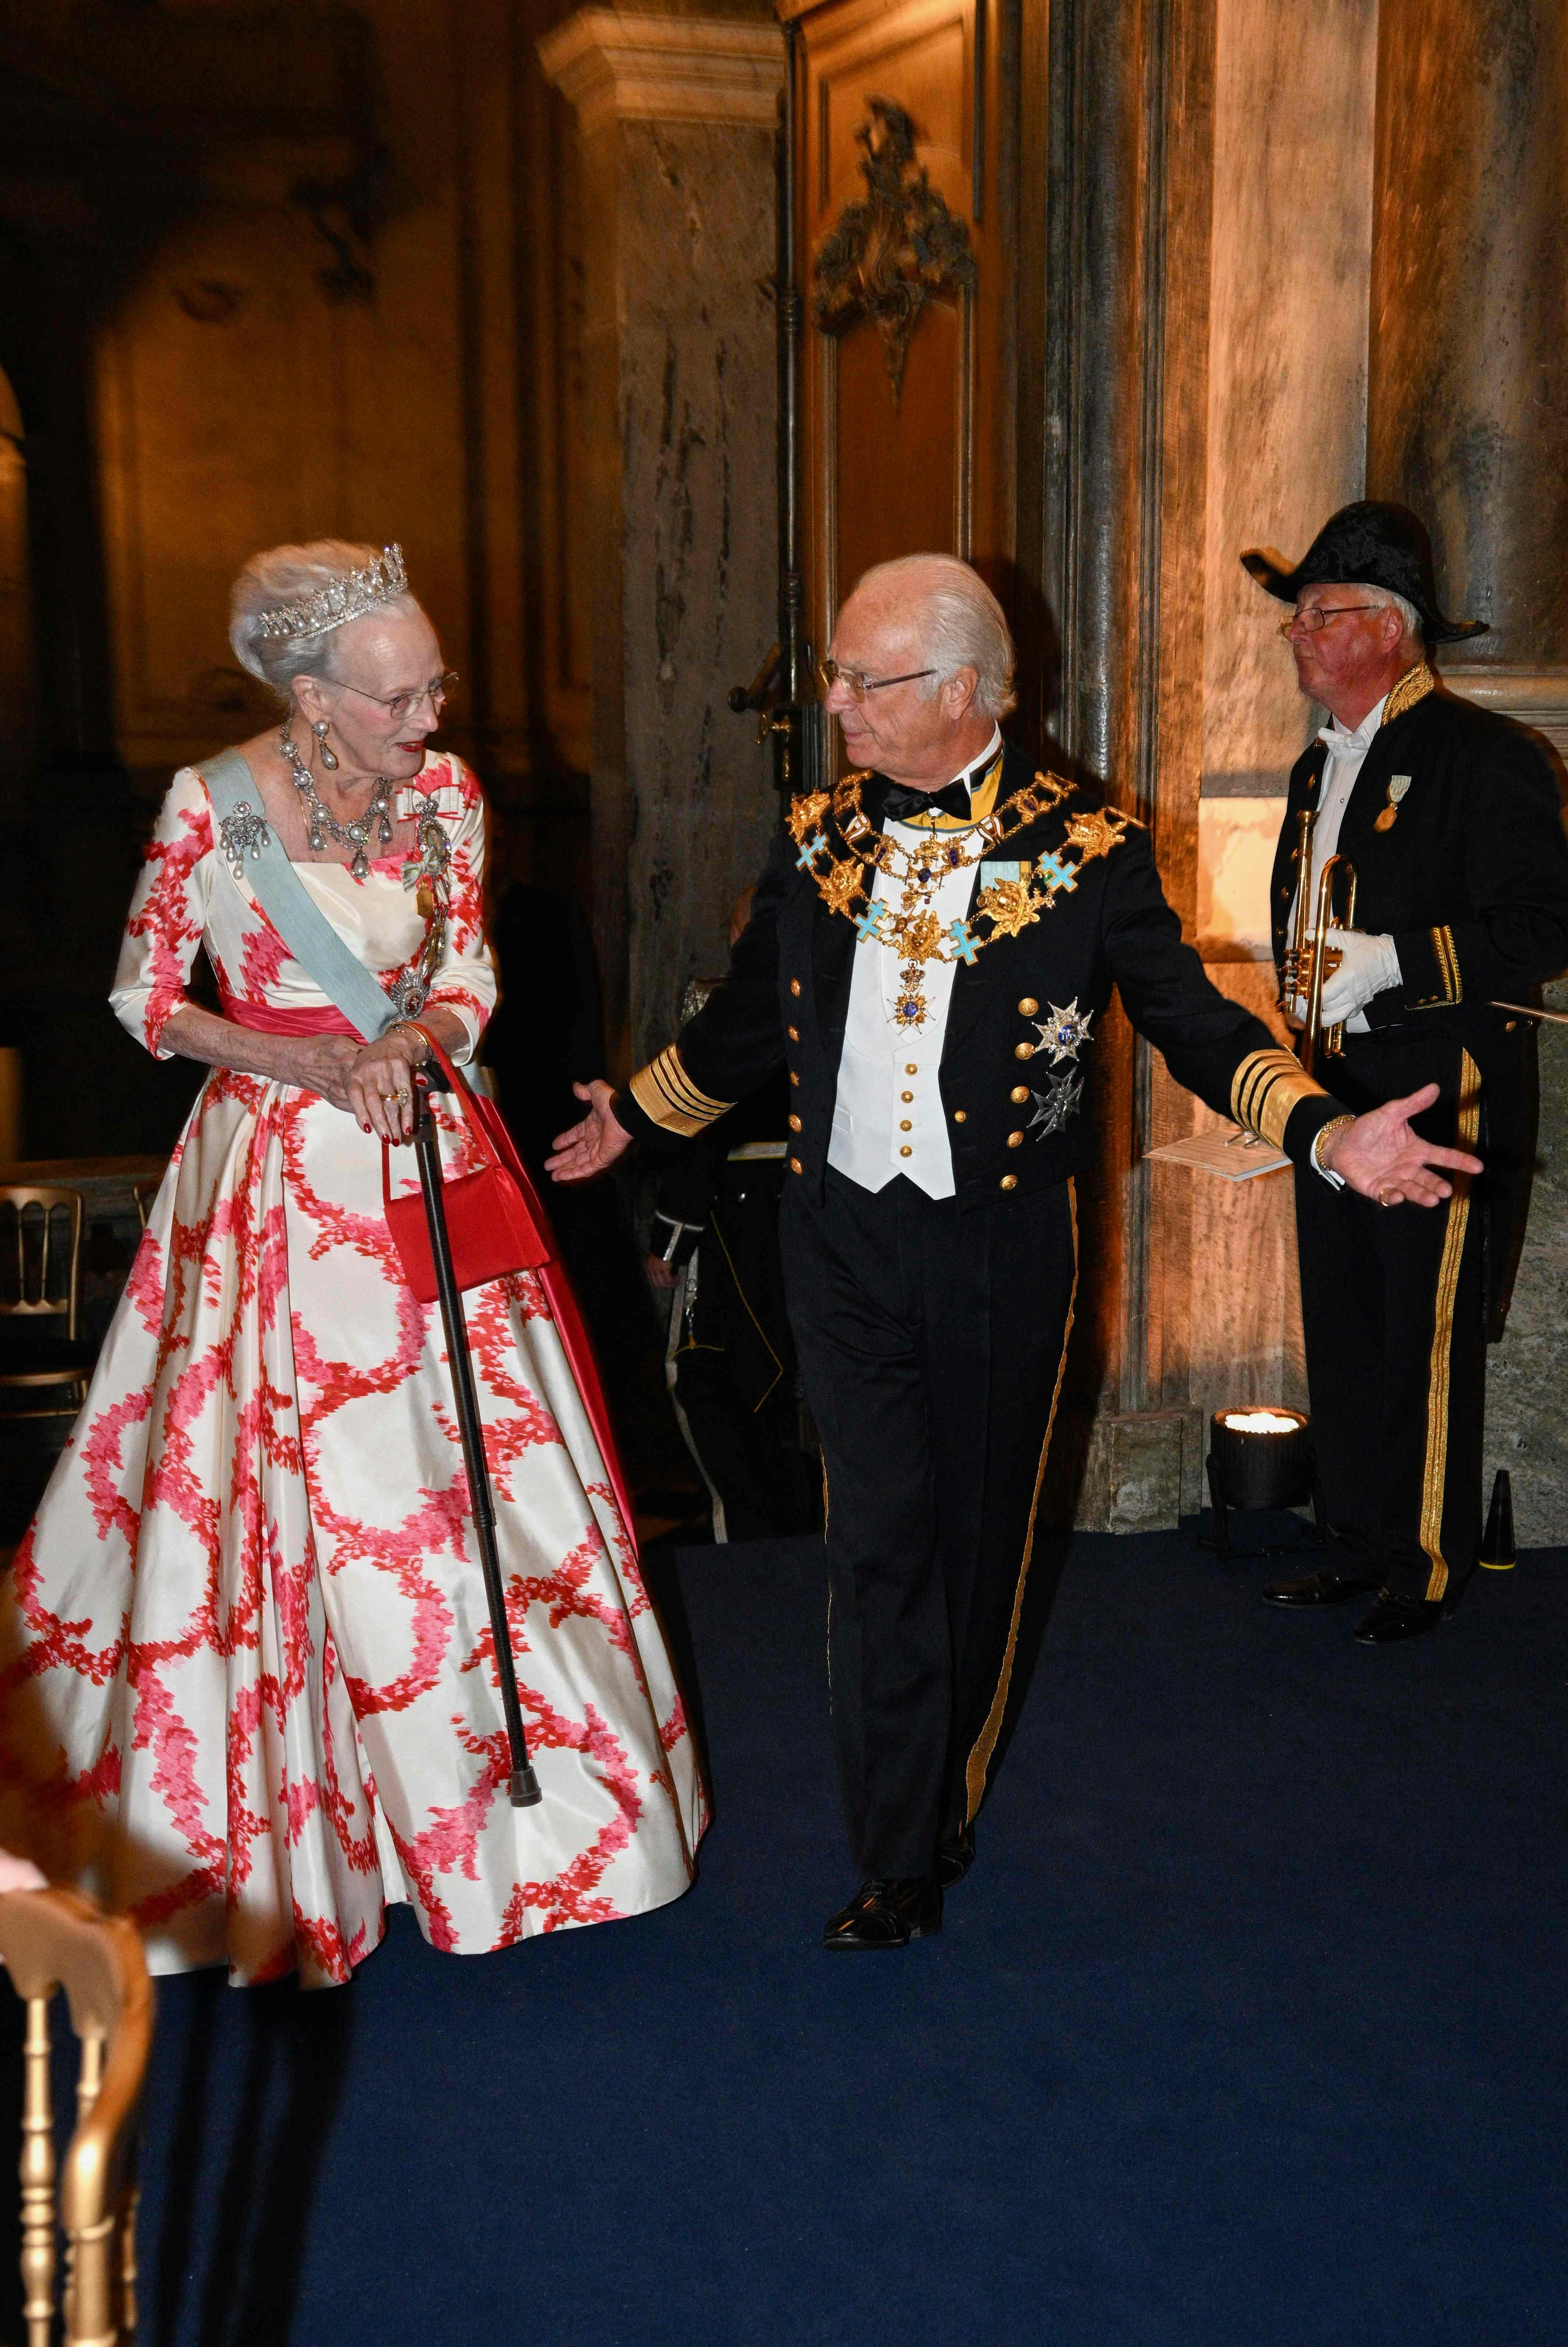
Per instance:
{"type": "Point", "coordinates": [1341, 768]}
{"type": "Point", "coordinates": [887, 1116]}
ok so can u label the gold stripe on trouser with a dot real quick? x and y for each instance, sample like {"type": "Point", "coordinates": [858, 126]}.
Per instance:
{"type": "Point", "coordinates": [1435, 1474]}
{"type": "Point", "coordinates": [985, 1744]}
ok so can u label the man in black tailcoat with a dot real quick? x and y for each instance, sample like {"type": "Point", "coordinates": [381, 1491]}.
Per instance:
{"type": "Point", "coordinates": [1449, 817]}
{"type": "Point", "coordinates": [931, 955]}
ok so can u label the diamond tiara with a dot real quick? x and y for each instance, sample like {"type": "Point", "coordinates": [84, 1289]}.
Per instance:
{"type": "Point", "coordinates": [333, 606]}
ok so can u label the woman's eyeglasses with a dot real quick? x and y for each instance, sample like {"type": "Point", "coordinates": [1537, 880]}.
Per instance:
{"type": "Point", "coordinates": [399, 705]}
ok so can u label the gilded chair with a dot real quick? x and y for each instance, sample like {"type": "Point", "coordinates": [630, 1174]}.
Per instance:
{"type": "Point", "coordinates": [51, 1940]}
{"type": "Point", "coordinates": [144, 1192]}
{"type": "Point", "coordinates": [41, 1345]}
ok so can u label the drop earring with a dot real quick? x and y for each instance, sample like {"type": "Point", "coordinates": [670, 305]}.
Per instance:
{"type": "Point", "coordinates": [320, 730]}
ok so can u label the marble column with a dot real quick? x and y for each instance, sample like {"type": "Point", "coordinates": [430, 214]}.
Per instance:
{"type": "Point", "coordinates": [1468, 423]}
{"type": "Point", "coordinates": [1467, 389]}
{"type": "Point", "coordinates": [676, 115]}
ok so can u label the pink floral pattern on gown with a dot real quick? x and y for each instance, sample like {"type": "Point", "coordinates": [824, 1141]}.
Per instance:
{"type": "Point", "coordinates": [247, 1624]}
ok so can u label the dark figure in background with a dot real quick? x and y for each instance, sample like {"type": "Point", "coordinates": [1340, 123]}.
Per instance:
{"type": "Point", "coordinates": [931, 956]}
{"type": "Point", "coordinates": [548, 1034]}
{"type": "Point", "coordinates": [730, 1363]}
{"type": "Point", "coordinates": [1450, 815]}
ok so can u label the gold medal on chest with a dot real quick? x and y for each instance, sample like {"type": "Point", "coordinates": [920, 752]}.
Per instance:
{"type": "Point", "coordinates": [1388, 816]}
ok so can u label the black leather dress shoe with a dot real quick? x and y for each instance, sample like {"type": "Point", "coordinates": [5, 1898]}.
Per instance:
{"type": "Point", "coordinates": [1393, 1618]}
{"type": "Point", "coordinates": [1324, 1588]}
{"type": "Point", "coordinates": [955, 1856]}
{"type": "Point", "coordinates": [887, 1912]}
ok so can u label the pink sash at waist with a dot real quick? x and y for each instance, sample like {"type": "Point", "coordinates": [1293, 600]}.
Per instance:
{"type": "Point", "coordinates": [267, 1020]}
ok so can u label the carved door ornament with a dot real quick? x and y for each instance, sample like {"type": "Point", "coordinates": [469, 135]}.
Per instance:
{"type": "Point", "coordinates": [893, 249]}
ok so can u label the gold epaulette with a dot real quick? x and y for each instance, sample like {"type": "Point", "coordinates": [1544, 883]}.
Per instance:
{"type": "Point", "coordinates": [667, 1096]}
{"type": "Point", "coordinates": [1265, 1089]}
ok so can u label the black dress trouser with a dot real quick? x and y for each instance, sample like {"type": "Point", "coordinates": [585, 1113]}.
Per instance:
{"type": "Point", "coordinates": [930, 1345]}
{"type": "Point", "coordinates": [1393, 1318]}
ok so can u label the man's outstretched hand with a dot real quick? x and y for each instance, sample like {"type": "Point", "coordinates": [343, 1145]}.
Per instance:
{"type": "Point", "coordinates": [1379, 1155]}
{"type": "Point", "coordinates": [592, 1147]}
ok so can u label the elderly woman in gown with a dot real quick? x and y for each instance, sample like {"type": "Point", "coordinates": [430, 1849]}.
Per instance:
{"type": "Point", "coordinates": [247, 1629]}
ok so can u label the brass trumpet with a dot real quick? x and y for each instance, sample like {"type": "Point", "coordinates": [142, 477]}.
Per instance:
{"type": "Point", "coordinates": [1308, 962]}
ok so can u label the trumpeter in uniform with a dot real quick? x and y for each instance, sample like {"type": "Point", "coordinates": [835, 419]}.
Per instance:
{"type": "Point", "coordinates": [931, 954]}
{"type": "Point", "coordinates": [1448, 815]}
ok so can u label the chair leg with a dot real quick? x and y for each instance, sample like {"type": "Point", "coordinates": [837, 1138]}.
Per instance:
{"type": "Point", "coordinates": [38, 2171]}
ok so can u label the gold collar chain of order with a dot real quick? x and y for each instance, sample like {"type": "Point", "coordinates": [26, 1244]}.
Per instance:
{"type": "Point", "coordinates": [1005, 906]}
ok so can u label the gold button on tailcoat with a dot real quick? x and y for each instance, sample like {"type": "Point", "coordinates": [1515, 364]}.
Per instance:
{"type": "Point", "coordinates": [795, 1165]}
{"type": "Point", "coordinates": [1009, 1181]}
{"type": "Point", "coordinates": [961, 1116]}
{"type": "Point", "coordinates": [795, 986]}
{"type": "Point", "coordinates": [795, 1125]}
{"type": "Point", "coordinates": [793, 1034]}
{"type": "Point", "coordinates": [1028, 1006]}
{"type": "Point", "coordinates": [1015, 1141]}
{"type": "Point", "coordinates": [1018, 1094]}
{"type": "Point", "coordinates": [1023, 1050]}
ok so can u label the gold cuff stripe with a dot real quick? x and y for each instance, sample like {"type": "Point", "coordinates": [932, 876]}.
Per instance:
{"type": "Point", "coordinates": [666, 1094]}
{"type": "Point", "coordinates": [1266, 1088]}
{"type": "Point", "coordinates": [979, 1759]}
{"type": "Point", "coordinates": [1435, 1474]}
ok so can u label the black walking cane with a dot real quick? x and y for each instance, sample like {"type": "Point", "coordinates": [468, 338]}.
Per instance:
{"type": "Point", "coordinates": [522, 1785]}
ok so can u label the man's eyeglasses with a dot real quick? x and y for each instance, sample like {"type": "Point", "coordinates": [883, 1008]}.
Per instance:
{"type": "Point", "coordinates": [399, 705]}
{"type": "Point", "coordinates": [858, 684]}
{"type": "Point", "coordinates": [1312, 617]}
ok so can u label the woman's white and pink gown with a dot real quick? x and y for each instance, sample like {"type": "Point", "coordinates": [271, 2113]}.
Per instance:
{"type": "Point", "coordinates": [247, 1630]}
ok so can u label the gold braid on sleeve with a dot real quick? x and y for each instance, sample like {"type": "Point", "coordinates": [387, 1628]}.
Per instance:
{"type": "Point", "coordinates": [666, 1094]}
{"type": "Point", "coordinates": [1265, 1089]}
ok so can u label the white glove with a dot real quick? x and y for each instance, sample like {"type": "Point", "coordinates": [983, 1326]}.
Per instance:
{"type": "Point", "coordinates": [1369, 965]}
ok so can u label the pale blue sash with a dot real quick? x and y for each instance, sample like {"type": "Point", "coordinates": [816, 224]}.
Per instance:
{"type": "Point", "coordinates": [247, 838]}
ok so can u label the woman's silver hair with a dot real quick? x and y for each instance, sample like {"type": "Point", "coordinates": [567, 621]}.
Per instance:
{"type": "Point", "coordinates": [961, 623]}
{"type": "Point", "coordinates": [287, 574]}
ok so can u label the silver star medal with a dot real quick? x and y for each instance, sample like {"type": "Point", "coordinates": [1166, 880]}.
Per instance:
{"type": "Point", "coordinates": [1053, 1108]}
{"type": "Point", "coordinates": [1065, 1032]}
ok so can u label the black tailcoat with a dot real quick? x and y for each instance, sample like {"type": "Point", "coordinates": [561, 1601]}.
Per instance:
{"type": "Point", "coordinates": [931, 1332]}
{"type": "Point", "coordinates": [1470, 879]}
{"type": "Point", "coordinates": [787, 998]}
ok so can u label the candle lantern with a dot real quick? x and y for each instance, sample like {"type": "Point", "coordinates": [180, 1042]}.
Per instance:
{"type": "Point", "coordinates": [1258, 1458]}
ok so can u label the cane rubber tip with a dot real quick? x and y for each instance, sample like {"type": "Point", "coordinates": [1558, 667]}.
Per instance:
{"type": "Point", "coordinates": [523, 1789]}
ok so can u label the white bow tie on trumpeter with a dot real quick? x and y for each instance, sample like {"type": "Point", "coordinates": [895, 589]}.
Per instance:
{"type": "Point", "coordinates": [1341, 744]}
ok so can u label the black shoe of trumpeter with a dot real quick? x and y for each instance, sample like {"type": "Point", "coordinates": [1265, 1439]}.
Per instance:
{"type": "Point", "coordinates": [1393, 1618]}
{"type": "Point", "coordinates": [887, 1912]}
{"type": "Point", "coordinates": [955, 1856]}
{"type": "Point", "coordinates": [1324, 1588]}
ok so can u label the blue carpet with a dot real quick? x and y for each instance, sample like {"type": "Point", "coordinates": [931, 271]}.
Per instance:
{"type": "Point", "coordinates": [1248, 2026]}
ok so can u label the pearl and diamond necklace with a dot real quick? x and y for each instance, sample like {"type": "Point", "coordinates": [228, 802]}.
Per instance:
{"type": "Point", "coordinates": [322, 825]}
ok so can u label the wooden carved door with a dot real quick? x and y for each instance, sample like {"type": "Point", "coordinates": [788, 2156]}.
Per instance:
{"type": "Point", "coordinates": [907, 408]}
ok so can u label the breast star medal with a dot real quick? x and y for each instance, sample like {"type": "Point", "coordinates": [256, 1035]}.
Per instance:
{"type": "Point", "coordinates": [1060, 1101]}
{"type": "Point", "coordinates": [1388, 817]}
{"type": "Point", "coordinates": [1065, 1032]}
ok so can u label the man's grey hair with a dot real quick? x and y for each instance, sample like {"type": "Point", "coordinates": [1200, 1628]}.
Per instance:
{"type": "Point", "coordinates": [961, 624]}
{"type": "Point", "coordinates": [1385, 600]}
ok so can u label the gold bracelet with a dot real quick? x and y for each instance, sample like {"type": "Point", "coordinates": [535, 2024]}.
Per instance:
{"type": "Point", "coordinates": [408, 1027]}
{"type": "Point", "coordinates": [1334, 1125]}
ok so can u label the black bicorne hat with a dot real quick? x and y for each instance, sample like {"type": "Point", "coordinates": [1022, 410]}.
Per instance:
{"type": "Point", "coordinates": [1368, 545]}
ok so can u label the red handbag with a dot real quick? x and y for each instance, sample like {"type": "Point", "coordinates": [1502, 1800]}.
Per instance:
{"type": "Point", "coordinates": [489, 1223]}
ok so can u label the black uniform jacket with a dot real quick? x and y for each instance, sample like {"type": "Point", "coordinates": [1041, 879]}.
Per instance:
{"type": "Point", "coordinates": [1017, 1068]}
{"type": "Point", "coordinates": [1469, 877]}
